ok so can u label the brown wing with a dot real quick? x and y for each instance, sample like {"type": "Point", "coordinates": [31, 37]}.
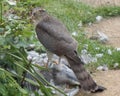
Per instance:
{"type": "Point", "coordinates": [54, 36]}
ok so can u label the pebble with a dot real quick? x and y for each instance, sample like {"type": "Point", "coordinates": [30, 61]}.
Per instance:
{"type": "Point", "coordinates": [99, 55]}
{"type": "Point", "coordinates": [99, 18]}
{"type": "Point", "coordinates": [74, 33]}
{"type": "Point", "coordinates": [102, 68]}
{"type": "Point", "coordinates": [116, 65]}
{"type": "Point", "coordinates": [109, 52]}
{"type": "Point", "coordinates": [118, 49]}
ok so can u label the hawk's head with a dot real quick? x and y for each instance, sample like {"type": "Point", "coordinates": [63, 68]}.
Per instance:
{"type": "Point", "coordinates": [37, 13]}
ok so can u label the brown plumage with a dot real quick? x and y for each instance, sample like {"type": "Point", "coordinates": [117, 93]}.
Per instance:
{"type": "Point", "coordinates": [55, 37]}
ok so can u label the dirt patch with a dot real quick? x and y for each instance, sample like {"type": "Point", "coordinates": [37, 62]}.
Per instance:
{"type": "Point", "coordinates": [110, 27]}
{"type": "Point", "coordinates": [101, 2]}
{"type": "Point", "coordinates": [109, 79]}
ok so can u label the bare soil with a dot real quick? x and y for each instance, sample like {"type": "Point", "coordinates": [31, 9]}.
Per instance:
{"type": "Point", "coordinates": [109, 79]}
{"type": "Point", "coordinates": [97, 3]}
{"type": "Point", "coordinates": [111, 27]}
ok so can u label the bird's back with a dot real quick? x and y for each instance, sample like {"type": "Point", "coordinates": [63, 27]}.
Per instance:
{"type": "Point", "coordinates": [54, 35]}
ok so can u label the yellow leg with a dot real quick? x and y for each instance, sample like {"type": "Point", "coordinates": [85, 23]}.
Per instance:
{"type": "Point", "coordinates": [49, 55]}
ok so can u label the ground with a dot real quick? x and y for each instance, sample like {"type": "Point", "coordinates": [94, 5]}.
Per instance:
{"type": "Point", "coordinates": [109, 79]}
{"type": "Point", "coordinates": [111, 27]}
{"type": "Point", "coordinates": [101, 2]}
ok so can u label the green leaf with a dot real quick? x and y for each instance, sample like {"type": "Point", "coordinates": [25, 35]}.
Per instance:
{"type": "Point", "coordinates": [8, 86]}
{"type": "Point", "coordinates": [1, 30]}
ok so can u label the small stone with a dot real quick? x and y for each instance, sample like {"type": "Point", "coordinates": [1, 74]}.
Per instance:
{"type": "Point", "coordinates": [90, 23]}
{"type": "Point", "coordinates": [87, 58]}
{"type": "Point", "coordinates": [33, 53]}
{"type": "Point", "coordinates": [102, 68]}
{"type": "Point", "coordinates": [11, 2]}
{"type": "Point", "coordinates": [97, 48]}
{"type": "Point", "coordinates": [84, 51]}
{"type": "Point", "coordinates": [102, 37]}
{"type": "Point", "coordinates": [43, 55]}
{"type": "Point", "coordinates": [74, 34]}
{"type": "Point", "coordinates": [118, 49]}
{"type": "Point", "coordinates": [99, 18]}
{"type": "Point", "coordinates": [116, 65]}
{"type": "Point", "coordinates": [109, 52]}
{"type": "Point", "coordinates": [99, 55]}
{"type": "Point", "coordinates": [53, 91]}
{"type": "Point", "coordinates": [32, 45]}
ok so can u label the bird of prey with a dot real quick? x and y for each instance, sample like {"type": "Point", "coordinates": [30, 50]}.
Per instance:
{"type": "Point", "coordinates": [55, 37]}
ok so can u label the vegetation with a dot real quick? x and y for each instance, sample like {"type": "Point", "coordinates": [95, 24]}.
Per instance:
{"type": "Point", "coordinates": [17, 33]}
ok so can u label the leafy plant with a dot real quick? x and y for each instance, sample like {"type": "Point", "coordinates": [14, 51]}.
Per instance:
{"type": "Point", "coordinates": [8, 86]}
{"type": "Point", "coordinates": [108, 11]}
{"type": "Point", "coordinates": [17, 33]}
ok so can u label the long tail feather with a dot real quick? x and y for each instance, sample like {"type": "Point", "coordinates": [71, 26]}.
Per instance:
{"type": "Point", "coordinates": [86, 81]}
